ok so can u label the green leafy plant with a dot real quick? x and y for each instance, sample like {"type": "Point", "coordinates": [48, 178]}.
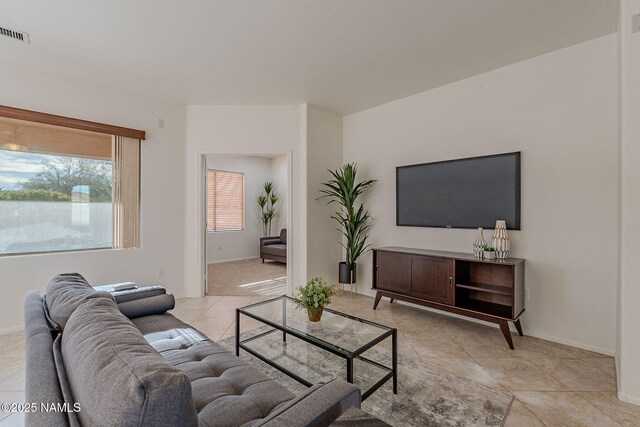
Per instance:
{"type": "Point", "coordinates": [268, 204]}
{"type": "Point", "coordinates": [315, 295]}
{"type": "Point", "coordinates": [489, 249]}
{"type": "Point", "coordinates": [354, 223]}
{"type": "Point", "coordinates": [33, 195]}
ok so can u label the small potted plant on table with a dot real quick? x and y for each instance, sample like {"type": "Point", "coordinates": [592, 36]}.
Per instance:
{"type": "Point", "coordinates": [489, 253]}
{"type": "Point", "coordinates": [314, 296]}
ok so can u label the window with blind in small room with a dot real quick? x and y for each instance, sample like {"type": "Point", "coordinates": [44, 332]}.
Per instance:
{"type": "Point", "coordinates": [225, 201]}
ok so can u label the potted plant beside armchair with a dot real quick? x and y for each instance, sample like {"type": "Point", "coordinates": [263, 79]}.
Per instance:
{"type": "Point", "coordinates": [344, 190]}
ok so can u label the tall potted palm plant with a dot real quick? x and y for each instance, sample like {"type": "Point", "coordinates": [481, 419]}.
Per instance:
{"type": "Point", "coordinates": [268, 204]}
{"type": "Point", "coordinates": [353, 221]}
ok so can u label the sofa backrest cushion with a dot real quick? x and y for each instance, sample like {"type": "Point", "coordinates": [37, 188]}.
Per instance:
{"type": "Point", "coordinates": [65, 293]}
{"type": "Point", "coordinates": [283, 236]}
{"type": "Point", "coordinates": [116, 376]}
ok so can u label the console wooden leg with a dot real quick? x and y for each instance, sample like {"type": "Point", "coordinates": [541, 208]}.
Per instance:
{"type": "Point", "coordinates": [518, 327]}
{"type": "Point", "coordinates": [391, 301]}
{"type": "Point", "coordinates": [378, 297]}
{"type": "Point", "coordinates": [504, 327]}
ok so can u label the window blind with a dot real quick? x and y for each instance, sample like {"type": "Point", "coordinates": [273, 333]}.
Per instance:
{"type": "Point", "coordinates": [225, 201]}
{"type": "Point", "coordinates": [126, 192]}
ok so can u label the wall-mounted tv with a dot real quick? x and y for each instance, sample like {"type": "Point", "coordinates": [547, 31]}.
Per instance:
{"type": "Point", "coordinates": [462, 193]}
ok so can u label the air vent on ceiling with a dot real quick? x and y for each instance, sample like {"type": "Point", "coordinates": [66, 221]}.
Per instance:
{"type": "Point", "coordinates": [16, 35]}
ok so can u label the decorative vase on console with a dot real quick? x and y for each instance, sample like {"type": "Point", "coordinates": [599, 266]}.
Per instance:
{"type": "Point", "coordinates": [479, 244]}
{"type": "Point", "coordinates": [500, 240]}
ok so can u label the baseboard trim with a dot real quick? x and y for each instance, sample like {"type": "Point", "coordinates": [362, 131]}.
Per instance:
{"type": "Point", "coordinates": [570, 343]}
{"type": "Point", "coordinates": [11, 330]}
{"type": "Point", "coordinates": [512, 328]}
{"type": "Point", "coordinates": [231, 260]}
{"type": "Point", "coordinates": [629, 399]}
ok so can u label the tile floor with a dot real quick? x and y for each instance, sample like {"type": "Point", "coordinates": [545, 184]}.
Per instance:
{"type": "Point", "coordinates": [553, 384]}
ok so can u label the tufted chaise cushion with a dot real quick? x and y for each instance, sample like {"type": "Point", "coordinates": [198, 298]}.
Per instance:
{"type": "Point", "coordinates": [226, 390]}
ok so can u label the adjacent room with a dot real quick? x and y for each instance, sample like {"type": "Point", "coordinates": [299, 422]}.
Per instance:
{"type": "Point", "coordinates": [246, 240]}
{"type": "Point", "coordinates": [292, 213]}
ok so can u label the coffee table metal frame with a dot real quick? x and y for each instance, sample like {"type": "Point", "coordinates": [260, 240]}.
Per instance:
{"type": "Point", "coordinates": [348, 355]}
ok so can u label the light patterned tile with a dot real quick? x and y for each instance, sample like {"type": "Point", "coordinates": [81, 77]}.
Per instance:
{"type": "Point", "coordinates": [625, 414]}
{"type": "Point", "coordinates": [520, 416]}
{"type": "Point", "coordinates": [521, 374]}
{"type": "Point", "coordinates": [537, 349]}
{"type": "Point", "coordinates": [578, 375]}
{"type": "Point", "coordinates": [13, 420]}
{"type": "Point", "coordinates": [212, 327]}
{"type": "Point", "coordinates": [604, 364]}
{"type": "Point", "coordinates": [15, 382]}
{"type": "Point", "coordinates": [10, 397]}
{"type": "Point", "coordinates": [465, 368]}
{"type": "Point", "coordinates": [563, 409]}
{"type": "Point", "coordinates": [10, 366]}
{"type": "Point", "coordinates": [426, 347]}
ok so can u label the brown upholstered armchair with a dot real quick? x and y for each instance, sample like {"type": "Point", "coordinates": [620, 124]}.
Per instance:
{"type": "Point", "coordinates": [274, 248]}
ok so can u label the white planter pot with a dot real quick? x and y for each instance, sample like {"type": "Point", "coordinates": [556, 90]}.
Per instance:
{"type": "Point", "coordinates": [490, 255]}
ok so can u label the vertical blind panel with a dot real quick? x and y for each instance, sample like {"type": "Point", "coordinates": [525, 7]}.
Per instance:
{"type": "Point", "coordinates": [225, 201]}
{"type": "Point", "coordinates": [126, 192]}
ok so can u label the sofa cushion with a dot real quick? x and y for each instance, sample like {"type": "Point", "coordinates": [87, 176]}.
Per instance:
{"type": "Point", "coordinates": [283, 236]}
{"type": "Point", "coordinates": [278, 250]}
{"type": "Point", "coordinates": [116, 376]}
{"type": "Point", "coordinates": [65, 293]}
{"type": "Point", "coordinates": [164, 332]}
{"type": "Point", "coordinates": [226, 390]}
{"type": "Point", "coordinates": [147, 306]}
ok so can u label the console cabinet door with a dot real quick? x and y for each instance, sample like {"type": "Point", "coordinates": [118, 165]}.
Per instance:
{"type": "Point", "coordinates": [432, 279]}
{"type": "Point", "coordinates": [394, 272]}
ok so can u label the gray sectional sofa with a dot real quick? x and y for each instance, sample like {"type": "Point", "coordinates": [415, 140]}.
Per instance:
{"type": "Point", "coordinates": [150, 369]}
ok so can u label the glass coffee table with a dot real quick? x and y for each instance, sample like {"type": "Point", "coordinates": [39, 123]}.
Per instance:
{"type": "Point", "coordinates": [310, 352]}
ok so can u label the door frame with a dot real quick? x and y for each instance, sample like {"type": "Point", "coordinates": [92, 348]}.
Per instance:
{"type": "Point", "coordinates": [202, 208]}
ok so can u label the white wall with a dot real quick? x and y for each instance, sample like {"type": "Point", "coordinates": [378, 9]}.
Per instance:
{"type": "Point", "coordinates": [162, 187]}
{"type": "Point", "coordinates": [244, 130]}
{"type": "Point", "coordinates": [628, 350]}
{"type": "Point", "coordinates": [324, 151]}
{"type": "Point", "coordinates": [278, 174]}
{"type": "Point", "coordinates": [235, 245]}
{"type": "Point", "coordinates": [559, 109]}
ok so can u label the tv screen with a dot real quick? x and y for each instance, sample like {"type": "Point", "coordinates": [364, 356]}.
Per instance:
{"type": "Point", "coordinates": [464, 193]}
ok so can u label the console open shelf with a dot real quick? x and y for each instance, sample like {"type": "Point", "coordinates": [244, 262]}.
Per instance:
{"type": "Point", "coordinates": [483, 287]}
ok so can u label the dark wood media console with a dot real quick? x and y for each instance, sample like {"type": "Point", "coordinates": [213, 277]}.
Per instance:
{"type": "Point", "coordinates": [459, 283]}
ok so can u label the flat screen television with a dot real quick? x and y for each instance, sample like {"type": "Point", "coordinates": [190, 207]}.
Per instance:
{"type": "Point", "coordinates": [463, 193]}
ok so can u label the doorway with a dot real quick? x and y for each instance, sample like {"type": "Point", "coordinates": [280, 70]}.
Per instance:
{"type": "Point", "coordinates": [246, 225]}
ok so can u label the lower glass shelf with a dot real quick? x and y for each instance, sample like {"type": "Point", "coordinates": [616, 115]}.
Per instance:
{"type": "Point", "coordinates": [314, 364]}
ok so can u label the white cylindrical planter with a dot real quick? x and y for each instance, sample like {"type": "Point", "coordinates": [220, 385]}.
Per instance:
{"type": "Point", "coordinates": [479, 244]}
{"type": "Point", "coordinates": [500, 240]}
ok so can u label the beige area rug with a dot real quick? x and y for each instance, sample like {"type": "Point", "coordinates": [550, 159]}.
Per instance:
{"type": "Point", "coordinates": [247, 277]}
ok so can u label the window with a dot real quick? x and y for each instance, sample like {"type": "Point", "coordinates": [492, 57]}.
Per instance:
{"type": "Point", "coordinates": [64, 189]}
{"type": "Point", "coordinates": [225, 201]}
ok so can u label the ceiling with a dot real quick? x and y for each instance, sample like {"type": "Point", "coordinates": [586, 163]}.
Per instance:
{"type": "Point", "coordinates": [344, 55]}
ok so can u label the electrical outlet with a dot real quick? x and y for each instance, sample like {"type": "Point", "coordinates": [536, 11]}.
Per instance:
{"type": "Point", "coordinates": [526, 294]}
{"type": "Point", "coordinates": [161, 273]}
{"type": "Point", "coordinates": [161, 123]}
{"type": "Point", "coordinates": [219, 247]}
{"type": "Point", "coordinates": [635, 23]}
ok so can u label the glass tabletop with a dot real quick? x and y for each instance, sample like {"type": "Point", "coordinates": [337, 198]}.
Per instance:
{"type": "Point", "coordinates": [340, 331]}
